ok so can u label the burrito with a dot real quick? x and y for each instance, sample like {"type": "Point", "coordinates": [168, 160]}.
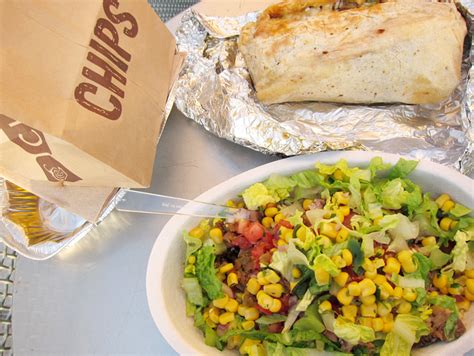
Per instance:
{"type": "Point", "coordinates": [407, 51]}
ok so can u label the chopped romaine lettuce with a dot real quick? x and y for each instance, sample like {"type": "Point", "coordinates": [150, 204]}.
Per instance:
{"type": "Point", "coordinates": [407, 330]}
{"type": "Point", "coordinates": [284, 261]}
{"type": "Point", "coordinates": [279, 186]}
{"type": "Point", "coordinates": [271, 319]}
{"type": "Point", "coordinates": [206, 273]}
{"type": "Point", "coordinates": [438, 258]}
{"type": "Point", "coordinates": [460, 251]}
{"type": "Point", "coordinates": [405, 228]}
{"type": "Point", "coordinates": [353, 333]}
{"type": "Point", "coordinates": [459, 211]}
{"type": "Point", "coordinates": [192, 244]}
{"type": "Point", "coordinates": [257, 195]}
{"type": "Point", "coordinates": [449, 303]}
{"type": "Point", "coordinates": [402, 169]}
{"type": "Point", "coordinates": [193, 290]}
{"type": "Point", "coordinates": [324, 262]}
{"type": "Point", "coordinates": [310, 320]}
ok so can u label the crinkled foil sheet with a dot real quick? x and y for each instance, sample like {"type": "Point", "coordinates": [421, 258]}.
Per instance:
{"type": "Point", "coordinates": [215, 90]}
{"type": "Point", "coordinates": [14, 237]}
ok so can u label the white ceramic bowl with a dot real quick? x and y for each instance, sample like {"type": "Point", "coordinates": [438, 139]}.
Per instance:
{"type": "Point", "coordinates": [166, 299]}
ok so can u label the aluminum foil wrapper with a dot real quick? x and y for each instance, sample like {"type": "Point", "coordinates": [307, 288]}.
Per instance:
{"type": "Point", "coordinates": [44, 220]}
{"type": "Point", "coordinates": [215, 90]}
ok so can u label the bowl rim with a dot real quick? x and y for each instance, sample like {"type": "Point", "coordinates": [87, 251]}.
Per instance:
{"type": "Point", "coordinates": [166, 237]}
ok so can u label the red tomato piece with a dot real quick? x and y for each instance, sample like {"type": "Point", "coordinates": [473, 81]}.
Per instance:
{"type": "Point", "coordinates": [263, 310]}
{"type": "Point", "coordinates": [347, 220]}
{"type": "Point", "coordinates": [242, 225]}
{"type": "Point", "coordinates": [254, 232]}
{"type": "Point", "coordinates": [241, 242]}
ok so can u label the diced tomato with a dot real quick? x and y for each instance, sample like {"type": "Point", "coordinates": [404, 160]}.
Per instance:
{"type": "Point", "coordinates": [285, 303]}
{"type": "Point", "coordinates": [459, 298]}
{"type": "Point", "coordinates": [347, 220]}
{"type": "Point", "coordinates": [269, 239]}
{"type": "Point", "coordinates": [286, 224]}
{"type": "Point", "coordinates": [242, 225]}
{"type": "Point", "coordinates": [241, 242]}
{"type": "Point", "coordinates": [254, 232]}
{"type": "Point", "coordinates": [263, 310]}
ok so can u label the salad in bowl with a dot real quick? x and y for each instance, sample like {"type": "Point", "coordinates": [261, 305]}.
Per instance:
{"type": "Point", "coordinates": [335, 258]}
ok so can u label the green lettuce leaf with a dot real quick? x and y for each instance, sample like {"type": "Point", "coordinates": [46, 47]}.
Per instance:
{"type": "Point", "coordinates": [310, 320]}
{"type": "Point", "coordinates": [192, 244]}
{"type": "Point", "coordinates": [376, 165]}
{"type": "Point", "coordinates": [438, 258]}
{"type": "Point", "coordinates": [460, 251]}
{"type": "Point", "coordinates": [407, 330]}
{"type": "Point", "coordinates": [206, 273]}
{"type": "Point", "coordinates": [193, 290]}
{"type": "Point", "coordinates": [405, 228]}
{"type": "Point", "coordinates": [459, 211]}
{"type": "Point", "coordinates": [258, 195]}
{"type": "Point", "coordinates": [424, 265]}
{"type": "Point", "coordinates": [271, 319]}
{"type": "Point", "coordinates": [357, 256]}
{"type": "Point", "coordinates": [342, 165]}
{"type": "Point", "coordinates": [284, 261]}
{"type": "Point", "coordinates": [279, 186]}
{"type": "Point", "coordinates": [324, 262]}
{"type": "Point", "coordinates": [353, 333]}
{"type": "Point", "coordinates": [402, 169]}
{"type": "Point", "coordinates": [212, 339]}
{"type": "Point", "coordinates": [393, 194]}
{"type": "Point", "coordinates": [307, 179]}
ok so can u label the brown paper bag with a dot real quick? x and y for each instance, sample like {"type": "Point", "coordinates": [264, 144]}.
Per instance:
{"type": "Point", "coordinates": [83, 87]}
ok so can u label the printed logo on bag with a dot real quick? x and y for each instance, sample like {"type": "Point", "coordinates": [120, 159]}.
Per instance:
{"type": "Point", "coordinates": [34, 142]}
{"type": "Point", "coordinates": [107, 46]}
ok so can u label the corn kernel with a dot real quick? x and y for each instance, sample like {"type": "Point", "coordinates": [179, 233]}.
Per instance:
{"type": "Point", "coordinates": [368, 300]}
{"type": "Point", "coordinates": [367, 287]}
{"type": "Point", "coordinates": [397, 292]}
{"type": "Point", "coordinates": [470, 285]}
{"type": "Point", "coordinates": [267, 222]}
{"type": "Point", "coordinates": [276, 306]}
{"type": "Point", "coordinates": [368, 310]}
{"type": "Point", "coordinates": [447, 206]}
{"type": "Point", "coordinates": [345, 210]}
{"type": "Point", "coordinates": [384, 295]}
{"type": "Point", "coordinates": [279, 217]}
{"type": "Point", "coordinates": [220, 276]}
{"type": "Point", "coordinates": [370, 274]}
{"type": "Point", "coordinates": [341, 278]}
{"type": "Point", "coordinates": [281, 243]}
{"type": "Point", "coordinates": [216, 235]}
{"type": "Point", "coordinates": [354, 289]}
{"type": "Point", "coordinates": [379, 279]}
{"type": "Point", "coordinates": [296, 273]}
{"type": "Point", "coordinates": [271, 276]}
{"type": "Point", "coordinates": [350, 312]}
{"type": "Point", "coordinates": [307, 204]}
{"type": "Point", "coordinates": [445, 224]}
{"type": "Point", "coordinates": [264, 300]}
{"type": "Point", "coordinates": [343, 296]}
{"type": "Point", "coordinates": [386, 287]}
{"type": "Point", "coordinates": [347, 256]}
{"type": "Point", "coordinates": [301, 234]}
{"type": "Point", "coordinates": [428, 241]}
{"type": "Point", "coordinates": [214, 314]}
{"type": "Point", "coordinates": [191, 269]}
{"type": "Point", "coordinates": [383, 309]}
{"type": "Point", "coordinates": [440, 281]}
{"type": "Point", "coordinates": [443, 198]}
{"type": "Point", "coordinates": [406, 260]}
{"type": "Point", "coordinates": [454, 291]}
{"type": "Point", "coordinates": [248, 325]}
{"type": "Point", "coordinates": [468, 295]}
{"type": "Point", "coordinates": [368, 265]}
{"type": "Point", "coordinates": [253, 286]}
{"type": "Point", "coordinates": [192, 259]}
{"type": "Point", "coordinates": [464, 305]}
{"type": "Point", "coordinates": [241, 310]}
{"type": "Point", "coordinates": [232, 279]}
{"type": "Point", "coordinates": [338, 175]}
{"type": "Point", "coordinates": [404, 308]}
{"type": "Point", "coordinates": [232, 306]}
{"type": "Point", "coordinates": [240, 205]}
{"type": "Point", "coordinates": [338, 261]}
{"type": "Point", "coordinates": [271, 212]}
{"type": "Point", "coordinates": [341, 198]}
{"type": "Point", "coordinates": [342, 235]}
{"type": "Point", "coordinates": [409, 295]}
{"type": "Point", "coordinates": [469, 273]}
{"type": "Point", "coordinates": [226, 318]}
{"type": "Point", "coordinates": [387, 326]}
{"type": "Point", "coordinates": [226, 268]}
{"type": "Point", "coordinates": [444, 290]}
{"type": "Point", "coordinates": [197, 232]}
{"type": "Point", "coordinates": [325, 306]}
{"type": "Point", "coordinates": [434, 294]}
{"type": "Point", "coordinates": [261, 279]}
{"type": "Point", "coordinates": [404, 256]}
{"type": "Point", "coordinates": [328, 229]}
{"type": "Point", "coordinates": [339, 215]}
{"type": "Point", "coordinates": [251, 314]}
{"type": "Point", "coordinates": [246, 345]}
{"type": "Point", "coordinates": [366, 322]}
{"type": "Point", "coordinates": [322, 277]}
{"type": "Point", "coordinates": [221, 302]}
{"type": "Point", "coordinates": [377, 324]}
{"type": "Point", "coordinates": [275, 290]}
